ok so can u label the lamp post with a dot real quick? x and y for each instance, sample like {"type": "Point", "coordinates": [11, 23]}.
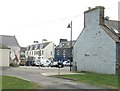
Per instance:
{"type": "Point", "coordinates": [70, 26]}
{"type": "Point", "coordinates": [39, 55]}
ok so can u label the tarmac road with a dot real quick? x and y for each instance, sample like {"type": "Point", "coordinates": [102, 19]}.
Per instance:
{"type": "Point", "coordinates": [42, 77]}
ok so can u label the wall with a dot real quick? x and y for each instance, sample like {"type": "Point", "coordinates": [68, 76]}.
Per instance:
{"type": "Point", "coordinates": [14, 50]}
{"type": "Point", "coordinates": [95, 51]}
{"type": "Point", "coordinates": [4, 57]}
{"type": "Point", "coordinates": [47, 51]}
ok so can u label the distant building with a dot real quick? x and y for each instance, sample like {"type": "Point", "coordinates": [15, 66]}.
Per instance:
{"type": "Point", "coordinates": [4, 56]}
{"type": "Point", "coordinates": [97, 48]}
{"type": "Point", "coordinates": [11, 42]}
{"type": "Point", "coordinates": [22, 53]}
{"type": "Point", "coordinates": [63, 50]}
{"type": "Point", "coordinates": [40, 51]}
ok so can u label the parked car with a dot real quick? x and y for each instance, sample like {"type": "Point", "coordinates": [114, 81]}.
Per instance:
{"type": "Point", "coordinates": [57, 64]}
{"type": "Point", "coordinates": [66, 63]}
{"type": "Point", "coordinates": [54, 64]}
{"type": "Point", "coordinates": [22, 62]}
{"type": "Point", "coordinates": [37, 63]}
{"type": "Point", "coordinates": [45, 63]}
{"type": "Point", "coordinates": [30, 63]}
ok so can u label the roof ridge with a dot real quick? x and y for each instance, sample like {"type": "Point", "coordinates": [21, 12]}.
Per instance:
{"type": "Point", "coordinates": [8, 35]}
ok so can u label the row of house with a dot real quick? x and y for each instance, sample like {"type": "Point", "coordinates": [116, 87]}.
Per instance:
{"type": "Point", "coordinates": [11, 52]}
{"type": "Point", "coordinates": [44, 50]}
{"type": "Point", "coordinates": [49, 51]}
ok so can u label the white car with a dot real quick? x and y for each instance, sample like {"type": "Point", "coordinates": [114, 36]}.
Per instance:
{"type": "Point", "coordinates": [66, 63]}
{"type": "Point", "coordinates": [37, 62]}
{"type": "Point", "coordinates": [45, 63]}
{"type": "Point", "coordinates": [54, 64]}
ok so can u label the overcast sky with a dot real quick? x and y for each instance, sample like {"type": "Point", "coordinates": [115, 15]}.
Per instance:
{"type": "Point", "coordinates": [34, 20]}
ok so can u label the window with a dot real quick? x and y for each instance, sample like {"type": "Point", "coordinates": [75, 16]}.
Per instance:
{"type": "Point", "coordinates": [64, 51]}
{"type": "Point", "coordinates": [51, 53]}
{"type": "Point", "coordinates": [58, 52]}
{"type": "Point", "coordinates": [32, 53]}
{"type": "Point", "coordinates": [42, 52]}
{"type": "Point", "coordinates": [39, 53]}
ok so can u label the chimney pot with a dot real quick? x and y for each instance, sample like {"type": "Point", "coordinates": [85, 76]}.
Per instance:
{"type": "Point", "coordinates": [89, 8]}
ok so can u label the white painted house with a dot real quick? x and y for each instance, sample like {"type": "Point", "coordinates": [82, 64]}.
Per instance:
{"type": "Point", "coordinates": [4, 56]}
{"type": "Point", "coordinates": [97, 48]}
{"type": "Point", "coordinates": [42, 51]}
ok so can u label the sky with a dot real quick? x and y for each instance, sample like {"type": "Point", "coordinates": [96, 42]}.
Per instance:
{"type": "Point", "coordinates": [34, 20]}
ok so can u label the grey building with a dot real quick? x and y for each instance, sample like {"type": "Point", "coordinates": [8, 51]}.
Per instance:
{"type": "Point", "coordinates": [97, 48]}
{"type": "Point", "coordinates": [63, 50]}
{"type": "Point", "coordinates": [11, 42]}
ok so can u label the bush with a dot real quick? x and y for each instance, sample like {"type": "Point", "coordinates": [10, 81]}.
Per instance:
{"type": "Point", "coordinates": [14, 65]}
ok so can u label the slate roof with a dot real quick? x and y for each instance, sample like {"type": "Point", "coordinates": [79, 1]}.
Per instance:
{"type": "Point", "coordinates": [45, 44]}
{"type": "Point", "coordinates": [8, 40]}
{"type": "Point", "coordinates": [3, 47]}
{"type": "Point", "coordinates": [113, 24]}
{"type": "Point", "coordinates": [37, 46]}
{"type": "Point", "coordinates": [65, 44]}
{"type": "Point", "coordinates": [109, 28]}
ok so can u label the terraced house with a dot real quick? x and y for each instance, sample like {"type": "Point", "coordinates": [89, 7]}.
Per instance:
{"type": "Point", "coordinates": [63, 50]}
{"type": "Point", "coordinates": [44, 50]}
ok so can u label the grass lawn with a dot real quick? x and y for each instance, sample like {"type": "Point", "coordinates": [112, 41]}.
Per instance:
{"type": "Point", "coordinates": [9, 82]}
{"type": "Point", "coordinates": [103, 80]}
{"type": "Point", "coordinates": [0, 83]}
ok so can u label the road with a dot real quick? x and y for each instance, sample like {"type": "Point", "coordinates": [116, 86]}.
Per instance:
{"type": "Point", "coordinates": [43, 77]}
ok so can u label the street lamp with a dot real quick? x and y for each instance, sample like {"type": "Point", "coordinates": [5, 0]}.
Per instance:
{"type": "Point", "coordinates": [39, 55]}
{"type": "Point", "coordinates": [70, 26]}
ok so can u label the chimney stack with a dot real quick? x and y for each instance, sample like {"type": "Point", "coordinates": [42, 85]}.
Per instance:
{"type": "Point", "coordinates": [94, 16]}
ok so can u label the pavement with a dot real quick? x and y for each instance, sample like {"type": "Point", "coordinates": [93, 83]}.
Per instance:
{"type": "Point", "coordinates": [51, 71]}
{"type": "Point", "coordinates": [42, 76]}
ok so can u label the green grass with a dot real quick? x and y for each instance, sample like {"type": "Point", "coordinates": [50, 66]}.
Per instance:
{"type": "Point", "coordinates": [9, 82]}
{"type": "Point", "coordinates": [0, 83]}
{"type": "Point", "coordinates": [103, 80]}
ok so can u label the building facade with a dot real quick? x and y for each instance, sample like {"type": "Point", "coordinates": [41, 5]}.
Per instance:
{"type": "Point", "coordinates": [63, 50]}
{"type": "Point", "coordinates": [96, 48]}
{"type": "Point", "coordinates": [40, 51]}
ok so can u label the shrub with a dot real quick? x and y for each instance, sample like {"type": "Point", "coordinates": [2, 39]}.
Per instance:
{"type": "Point", "coordinates": [14, 65]}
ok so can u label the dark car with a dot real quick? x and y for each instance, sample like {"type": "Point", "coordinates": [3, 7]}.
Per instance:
{"type": "Point", "coordinates": [30, 63]}
{"type": "Point", "coordinates": [57, 64]}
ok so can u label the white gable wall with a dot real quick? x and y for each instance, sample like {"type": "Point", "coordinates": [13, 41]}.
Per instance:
{"type": "Point", "coordinates": [94, 49]}
{"type": "Point", "coordinates": [47, 51]}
